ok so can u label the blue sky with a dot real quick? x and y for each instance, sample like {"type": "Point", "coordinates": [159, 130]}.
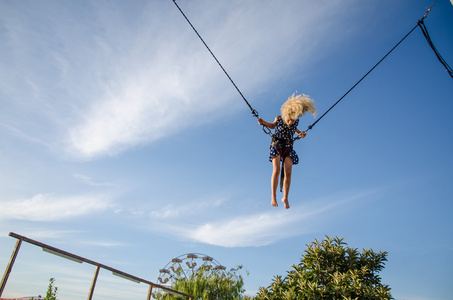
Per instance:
{"type": "Point", "coordinates": [122, 140]}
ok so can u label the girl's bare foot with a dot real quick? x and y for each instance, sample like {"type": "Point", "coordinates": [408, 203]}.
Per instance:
{"type": "Point", "coordinates": [274, 203]}
{"type": "Point", "coordinates": [285, 202]}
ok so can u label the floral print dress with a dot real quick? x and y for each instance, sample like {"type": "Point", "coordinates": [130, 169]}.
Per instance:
{"type": "Point", "coordinates": [284, 132]}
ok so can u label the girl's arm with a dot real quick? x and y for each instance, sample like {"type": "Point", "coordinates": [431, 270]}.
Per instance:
{"type": "Point", "coordinates": [267, 124]}
{"type": "Point", "coordinates": [302, 134]}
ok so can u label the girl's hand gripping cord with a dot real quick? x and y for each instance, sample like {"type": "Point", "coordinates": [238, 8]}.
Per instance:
{"type": "Point", "coordinates": [281, 149]}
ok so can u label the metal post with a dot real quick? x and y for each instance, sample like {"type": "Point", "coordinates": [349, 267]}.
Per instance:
{"type": "Point", "coordinates": [93, 284]}
{"type": "Point", "coordinates": [150, 292]}
{"type": "Point", "coordinates": [10, 266]}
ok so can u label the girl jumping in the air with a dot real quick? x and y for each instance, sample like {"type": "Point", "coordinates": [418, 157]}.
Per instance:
{"type": "Point", "coordinates": [281, 148]}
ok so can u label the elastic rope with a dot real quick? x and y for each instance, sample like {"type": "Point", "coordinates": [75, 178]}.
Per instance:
{"type": "Point", "coordinates": [431, 44]}
{"type": "Point", "coordinates": [425, 33]}
{"type": "Point", "coordinates": [311, 126]}
{"type": "Point", "coordinates": [254, 112]}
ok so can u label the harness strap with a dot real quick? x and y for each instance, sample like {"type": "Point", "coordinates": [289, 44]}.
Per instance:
{"type": "Point", "coordinates": [282, 175]}
{"type": "Point", "coordinates": [284, 152]}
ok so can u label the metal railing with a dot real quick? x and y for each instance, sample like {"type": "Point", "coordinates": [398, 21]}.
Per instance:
{"type": "Point", "coordinates": [79, 259]}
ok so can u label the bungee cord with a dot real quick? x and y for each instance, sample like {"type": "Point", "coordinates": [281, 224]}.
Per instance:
{"type": "Point", "coordinates": [420, 24]}
{"type": "Point", "coordinates": [431, 44]}
{"type": "Point", "coordinates": [254, 112]}
{"type": "Point", "coordinates": [363, 77]}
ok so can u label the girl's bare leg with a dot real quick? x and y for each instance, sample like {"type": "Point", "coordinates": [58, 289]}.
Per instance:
{"type": "Point", "coordinates": [288, 165]}
{"type": "Point", "coordinates": [274, 179]}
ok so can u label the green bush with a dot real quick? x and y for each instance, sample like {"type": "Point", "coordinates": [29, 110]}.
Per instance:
{"type": "Point", "coordinates": [331, 270]}
{"type": "Point", "coordinates": [51, 291]}
{"type": "Point", "coordinates": [207, 283]}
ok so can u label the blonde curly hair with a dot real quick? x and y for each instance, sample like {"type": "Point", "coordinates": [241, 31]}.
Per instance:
{"type": "Point", "coordinates": [297, 105]}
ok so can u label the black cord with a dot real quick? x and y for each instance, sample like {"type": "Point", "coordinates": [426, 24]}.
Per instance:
{"type": "Point", "coordinates": [311, 126]}
{"type": "Point", "coordinates": [431, 44]}
{"type": "Point", "coordinates": [425, 33]}
{"type": "Point", "coordinates": [254, 112]}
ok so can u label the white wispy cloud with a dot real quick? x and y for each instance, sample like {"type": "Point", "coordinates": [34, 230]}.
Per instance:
{"type": "Point", "coordinates": [174, 84]}
{"type": "Point", "coordinates": [49, 207]}
{"type": "Point", "coordinates": [36, 232]}
{"type": "Point", "coordinates": [106, 244]}
{"type": "Point", "coordinates": [172, 211]}
{"type": "Point", "coordinates": [255, 230]}
{"type": "Point", "coordinates": [42, 233]}
{"type": "Point", "coordinates": [266, 228]}
{"type": "Point", "coordinates": [90, 181]}
{"type": "Point", "coordinates": [103, 82]}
